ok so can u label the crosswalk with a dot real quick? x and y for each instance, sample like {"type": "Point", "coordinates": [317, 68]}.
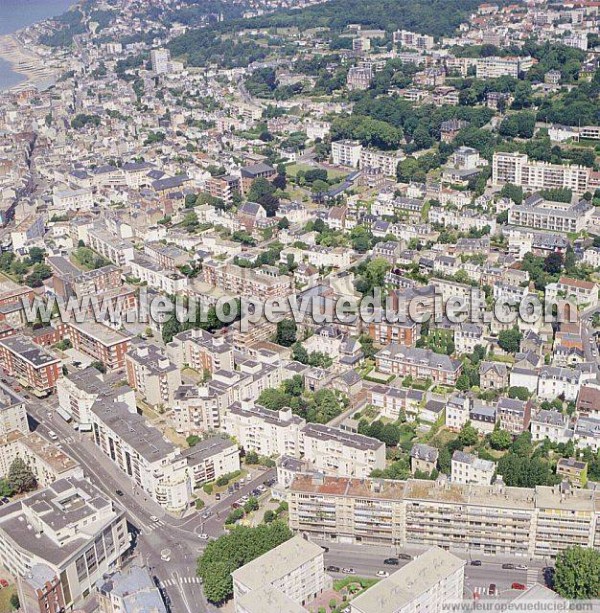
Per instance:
{"type": "Point", "coordinates": [481, 590]}
{"type": "Point", "coordinates": [185, 580]}
{"type": "Point", "coordinates": [155, 525]}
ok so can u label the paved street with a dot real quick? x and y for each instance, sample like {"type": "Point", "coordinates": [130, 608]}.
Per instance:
{"type": "Point", "coordinates": [178, 535]}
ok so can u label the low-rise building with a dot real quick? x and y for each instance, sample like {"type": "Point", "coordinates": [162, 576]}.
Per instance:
{"type": "Point", "coordinates": [514, 415]}
{"type": "Point", "coordinates": [573, 470]}
{"type": "Point", "coordinates": [417, 363]}
{"type": "Point", "coordinates": [423, 458]}
{"type": "Point", "coordinates": [131, 590]}
{"type": "Point", "coordinates": [468, 468]}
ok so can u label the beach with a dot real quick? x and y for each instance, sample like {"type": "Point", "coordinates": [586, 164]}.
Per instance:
{"type": "Point", "coordinates": [24, 62]}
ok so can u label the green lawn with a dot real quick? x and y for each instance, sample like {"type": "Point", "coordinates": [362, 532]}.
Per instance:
{"type": "Point", "coordinates": [5, 594]}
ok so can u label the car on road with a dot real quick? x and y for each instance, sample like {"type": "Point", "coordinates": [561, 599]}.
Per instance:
{"type": "Point", "coordinates": [261, 488]}
{"type": "Point", "coordinates": [332, 569]}
{"type": "Point", "coordinates": [217, 496]}
{"type": "Point", "coordinates": [325, 549]}
{"type": "Point", "coordinates": [404, 556]}
{"type": "Point", "coordinates": [508, 566]}
{"type": "Point", "coordinates": [153, 518]}
{"type": "Point", "coordinates": [383, 573]}
{"type": "Point", "coordinates": [119, 492]}
{"type": "Point", "coordinates": [53, 435]}
{"type": "Point", "coordinates": [206, 515]}
{"type": "Point", "coordinates": [391, 562]}
{"type": "Point", "coordinates": [475, 562]}
{"type": "Point", "coordinates": [203, 536]}
{"type": "Point", "coordinates": [521, 567]}
{"type": "Point", "coordinates": [518, 586]}
{"type": "Point", "coordinates": [348, 571]}
{"type": "Point", "coordinates": [493, 590]}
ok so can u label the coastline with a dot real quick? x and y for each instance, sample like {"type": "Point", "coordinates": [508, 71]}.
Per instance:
{"type": "Point", "coordinates": [24, 62]}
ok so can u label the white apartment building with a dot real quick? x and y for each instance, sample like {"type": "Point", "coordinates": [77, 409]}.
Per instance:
{"type": "Point", "coordinates": [493, 67]}
{"type": "Point", "coordinates": [289, 577]}
{"type": "Point", "coordinates": [119, 252]}
{"type": "Point", "coordinates": [555, 381]}
{"type": "Point", "coordinates": [468, 468]}
{"type": "Point", "coordinates": [587, 433]}
{"type": "Point", "coordinates": [346, 153]}
{"type": "Point", "coordinates": [406, 38]}
{"type": "Point", "coordinates": [152, 374]}
{"type": "Point", "coordinates": [198, 409]}
{"type": "Point", "coordinates": [69, 533]}
{"type": "Point", "coordinates": [267, 432]}
{"type": "Point", "coordinates": [536, 212]}
{"type": "Point", "coordinates": [334, 451]}
{"type": "Point", "coordinates": [73, 200]}
{"type": "Point", "coordinates": [429, 583]}
{"type": "Point", "coordinates": [201, 351]}
{"type": "Point", "coordinates": [386, 162]}
{"type": "Point", "coordinates": [157, 276]}
{"type": "Point", "coordinates": [160, 59]}
{"type": "Point", "coordinates": [516, 168]}
{"type": "Point", "coordinates": [476, 519]}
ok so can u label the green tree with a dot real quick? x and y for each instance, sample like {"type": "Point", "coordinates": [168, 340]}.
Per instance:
{"type": "Point", "coordinates": [519, 392]}
{"type": "Point", "coordinates": [20, 476]}
{"type": "Point", "coordinates": [468, 435]}
{"type": "Point", "coordinates": [500, 439]}
{"type": "Point", "coordinates": [99, 366]}
{"type": "Point", "coordinates": [577, 573]}
{"type": "Point", "coordinates": [286, 332]}
{"type": "Point", "coordinates": [251, 505]}
{"type": "Point", "coordinates": [269, 516]}
{"type": "Point", "coordinates": [510, 340]}
{"type": "Point", "coordinates": [251, 457]}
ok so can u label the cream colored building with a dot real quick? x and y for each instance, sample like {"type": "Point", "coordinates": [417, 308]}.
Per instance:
{"type": "Point", "coordinates": [338, 452]}
{"type": "Point", "coordinates": [468, 468]}
{"type": "Point", "coordinates": [429, 583]}
{"type": "Point", "coordinates": [295, 569]}
{"type": "Point", "coordinates": [495, 519]}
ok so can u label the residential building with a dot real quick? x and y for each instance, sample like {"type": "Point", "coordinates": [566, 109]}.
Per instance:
{"type": "Point", "coordinates": [267, 432]}
{"type": "Point", "coordinates": [573, 470]}
{"type": "Point", "coordinates": [359, 77]}
{"type": "Point", "coordinates": [584, 292]}
{"type": "Point", "coordinates": [423, 458]}
{"type": "Point", "coordinates": [335, 451]}
{"type": "Point", "coordinates": [212, 458]}
{"type": "Point", "coordinates": [288, 577]}
{"type": "Point", "coordinates": [514, 415]}
{"type": "Point", "coordinates": [129, 590]}
{"type": "Point", "coordinates": [555, 381]}
{"type": "Point", "coordinates": [98, 341]}
{"type": "Point", "coordinates": [534, 522]}
{"type": "Point", "coordinates": [238, 281]}
{"type": "Point", "coordinates": [551, 425]}
{"type": "Point", "coordinates": [431, 582]}
{"type": "Point", "coordinates": [201, 351]}
{"type": "Point", "coordinates": [152, 374]}
{"type": "Point", "coordinates": [253, 172]}
{"type": "Point", "coordinates": [346, 153]}
{"type": "Point", "coordinates": [493, 67]}
{"type": "Point", "coordinates": [120, 252]}
{"type": "Point", "coordinates": [493, 375]}
{"type": "Point", "coordinates": [160, 59]}
{"type": "Point", "coordinates": [33, 366]}
{"type": "Point", "coordinates": [417, 363]}
{"type": "Point", "coordinates": [60, 541]}
{"type": "Point", "coordinates": [516, 168]}
{"type": "Point", "coordinates": [468, 468]}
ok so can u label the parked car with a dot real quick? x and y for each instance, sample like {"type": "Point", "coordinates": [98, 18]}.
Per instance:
{"type": "Point", "coordinates": [475, 562]}
{"type": "Point", "coordinates": [348, 571]}
{"type": "Point", "coordinates": [493, 590]}
{"type": "Point", "coordinates": [508, 566]}
{"type": "Point", "coordinates": [119, 492]}
{"type": "Point", "coordinates": [518, 586]}
{"type": "Point", "coordinates": [404, 556]}
{"type": "Point", "coordinates": [521, 567]}
{"type": "Point", "coordinates": [391, 562]}
{"type": "Point", "coordinates": [203, 536]}
{"type": "Point", "coordinates": [236, 505]}
{"type": "Point", "coordinates": [332, 569]}
{"type": "Point", "coordinates": [383, 573]}
{"type": "Point", "coordinates": [153, 518]}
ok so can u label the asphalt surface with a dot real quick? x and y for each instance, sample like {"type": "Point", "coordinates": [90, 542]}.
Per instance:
{"type": "Point", "coordinates": [178, 537]}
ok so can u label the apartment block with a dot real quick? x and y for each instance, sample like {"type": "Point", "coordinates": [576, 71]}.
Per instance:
{"type": "Point", "coordinates": [394, 402]}
{"type": "Point", "coordinates": [237, 281]}
{"type": "Point", "coordinates": [198, 409]}
{"type": "Point", "coordinates": [60, 541]}
{"type": "Point", "coordinates": [536, 212]}
{"type": "Point", "coordinates": [73, 199]}
{"type": "Point", "coordinates": [98, 341]}
{"type": "Point", "coordinates": [551, 425]}
{"type": "Point", "coordinates": [152, 374]}
{"type": "Point", "coordinates": [295, 570]}
{"type": "Point", "coordinates": [479, 519]}
{"type": "Point", "coordinates": [160, 59]}
{"type": "Point", "coordinates": [516, 168]}
{"type": "Point", "coordinates": [212, 458]}
{"type": "Point", "coordinates": [468, 468]}
{"type": "Point", "coordinates": [264, 431]}
{"type": "Point", "coordinates": [514, 415]}
{"type": "Point", "coordinates": [157, 276]}
{"type": "Point", "coordinates": [119, 252]}
{"type": "Point", "coordinates": [386, 163]}
{"type": "Point", "coordinates": [201, 351]}
{"type": "Point", "coordinates": [346, 153]}
{"type": "Point", "coordinates": [494, 67]}
{"type": "Point", "coordinates": [418, 363]}
{"type": "Point", "coordinates": [429, 583]}
{"type": "Point", "coordinates": [334, 451]}
{"type": "Point", "coordinates": [423, 42]}
{"type": "Point", "coordinates": [33, 366]}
